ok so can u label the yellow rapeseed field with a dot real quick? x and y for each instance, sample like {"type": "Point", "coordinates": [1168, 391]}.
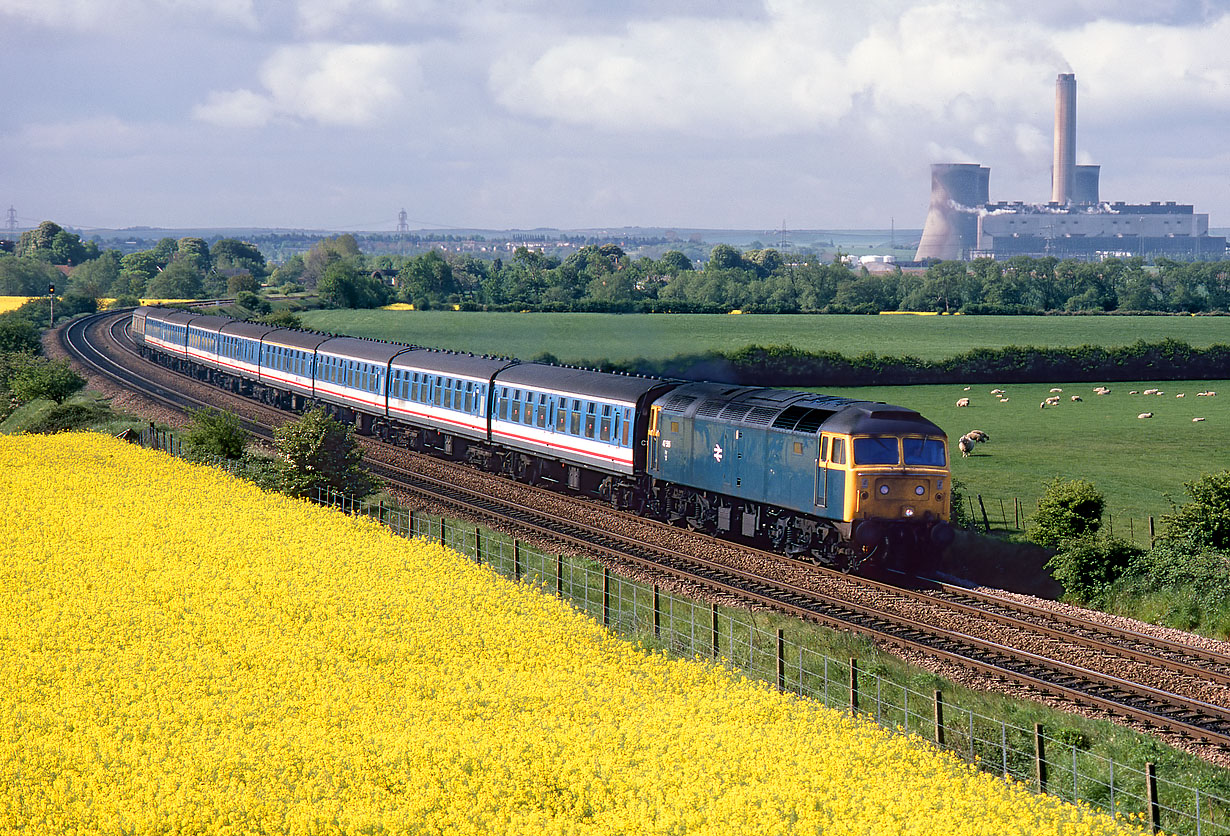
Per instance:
{"type": "Point", "coordinates": [12, 303]}
{"type": "Point", "coordinates": [181, 653]}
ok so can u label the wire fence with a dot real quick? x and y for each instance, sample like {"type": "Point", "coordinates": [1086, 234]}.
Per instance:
{"type": "Point", "coordinates": [1013, 514]}
{"type": "Point", "coordinates": [1054, 762]}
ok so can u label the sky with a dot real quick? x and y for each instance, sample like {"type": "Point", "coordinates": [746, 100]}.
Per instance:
{"type": "Point", "coordinates": [795, 114]}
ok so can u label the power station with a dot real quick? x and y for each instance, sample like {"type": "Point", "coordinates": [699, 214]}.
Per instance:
{"type": "Point", "coordinates": [963, 223]}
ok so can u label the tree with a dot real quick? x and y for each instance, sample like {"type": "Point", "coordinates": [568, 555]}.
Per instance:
{"type": "Point", "coordinates": [179, 280]}
{"type": "Point", "coordinates": [233, 254]}
{"type": "Point", "coordinates": [673, 262]}
{"type": "Point", "coordinates": [1088, 565]}
{"type": "Point", "coordinates": [427, 275]}
{"type": "Point", "coordinates": [95, 278]}
{"type": "Point", "coordinates": [214, 435]}
{"type": "Point", "coordinates": [724, 257]}
{"type": "Point", "coordinates": [1206, 519]}
{"type": "Point", "coordinates": [281, 319]}
{"type": "Point", "coordinates": [343, 286]}
{"type": "Point", "coordinates": [317, 453]}
{"type": "Point", "coordinates": [1066, 511]}
{"type": "Point", "coordinates": [51, 379]}
{"type": "Point", "coordinates": [26, 276]}
{"type": "Point", "coordinates": [240, 282]}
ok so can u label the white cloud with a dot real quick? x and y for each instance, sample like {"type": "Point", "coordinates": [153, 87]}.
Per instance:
{"type": "Point", "coordinates": [329, 84]}
{"type": "Point", "coordinates": [115, 14]}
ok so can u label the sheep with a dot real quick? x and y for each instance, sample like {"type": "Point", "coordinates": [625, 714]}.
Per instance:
{"type": "Point", "coordinates": [1077, 399]}
{"type": "Point", "coordinates": [966, 389]}
{"type": "Point", "coordinates": [1194, 420]}
{"type": "Point", "coordinates": [1181, 395]}
{"type": "Point", "coordinates": [1053, 391]}
{"type": "Point", "coordinates": [1102, 390]}
{"type": "Point", "coordinates": [997, 391]}
{"type": "Point", "coordinates": [966, 444]}
{"type": "Point", "coordinates": [1150, 391]}
{"type": "Point", "coordinates": [1003, 400]}
{"type": "Point", "coordinates": [1133, 392]}
{"type": "Point", "coordinates": [1145, 415]}
{"type": "Point", "coordinates": [963, 402]}
{"type": "Point", "coordinates": [1042, 405]}
{"type": "Point", "coordinates": [978, 435]}
{"type": "Point", "coordinates": [1052, 401]}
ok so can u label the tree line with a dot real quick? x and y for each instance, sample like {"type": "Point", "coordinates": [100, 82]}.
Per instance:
{"type": "Point", "coordinates": [605, 278]}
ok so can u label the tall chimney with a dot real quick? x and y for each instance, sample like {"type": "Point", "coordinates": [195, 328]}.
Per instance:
{"type": "Point", "coordinates": [1063, 171]}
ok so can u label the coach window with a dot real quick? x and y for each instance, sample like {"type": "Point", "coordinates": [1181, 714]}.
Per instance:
{"type": "Point", "coordinates": [514, 414]}
{"type": "Point", "coordinates": [604, 431]}
{"type": "Point", "coordinates": [541, 417]}
{"type": "Point", "coordinates": [626, 420]}
{"type": "Point", "coordinates": [591, 419]}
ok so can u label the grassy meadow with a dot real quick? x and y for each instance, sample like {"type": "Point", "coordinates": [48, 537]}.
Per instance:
{"type": "Point", "coordinates": [582, 337]}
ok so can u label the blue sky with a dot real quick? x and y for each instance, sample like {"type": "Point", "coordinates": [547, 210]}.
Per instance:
{"type": "Point", "coordinates": [335, 114]}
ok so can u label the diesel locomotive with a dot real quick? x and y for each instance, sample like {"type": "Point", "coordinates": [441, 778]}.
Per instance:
{"type": "Point", "coordinates": [830, 479]}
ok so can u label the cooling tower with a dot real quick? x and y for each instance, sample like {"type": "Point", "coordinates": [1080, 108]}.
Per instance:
{"type": "Point", "coordinates": [958, 193]}
{"type": "Point", "coordinates": [1085, 186]}
{"type": "Point", "coordinates": [1063, 171]}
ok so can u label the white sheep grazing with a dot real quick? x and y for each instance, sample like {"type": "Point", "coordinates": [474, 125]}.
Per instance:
{"type": "Point", "coordinates": [1181, 395]}
{"type": "Point", "coordinates": [1003, 400]}
{"type": "Point", "coordinates": [966, 389]}
{"type": "Point", "coordinates": [1145, 415]}
{"type": "Point", "coordinates": [1077, 399]}
{"type": "Point", "coordinates": [978, 435]}
{"type": "Point", "coordinates": [1194, 420]}
{"type": "Point", "coordinates": [997, 391]}
{"type": "Point", "coordinates": [963, 402]}
{"type": "Point", "coordinates": [1042, 405]}
{"type": "Point", "coordinates": [1053, 391]}
{"type": "Point", "coordinates": [1133, 392]}
{"type": "Point", "coordinates": [1150, 391]}
{"type": "Point", "coordinates": [1210, 394]}
{"type": "Point", "coordinates": [1052, 401]}
{"type": "Point", "coordinates": [966, 444]}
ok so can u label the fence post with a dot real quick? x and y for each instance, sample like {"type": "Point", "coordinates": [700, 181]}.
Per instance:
{"type": "Point", "coordinates": [517, 563]}
{"type": "Point", "coordinates": [853, 685]}
{"type": "Point", "coordinates": [606, 596]}
{"type": "Point", "coordinates": [781, 659]}
{"type": "Point", "coordinates": [1039, 757]}
{"type": "Point", "coordinates": [939, 718]}
{"type": "Point", "coordinates": [714, 619]}
{"type": "Point", "coordinates": [657, 614]}
{"type": "Point", "coordinates": [410, 523]}
{"type": "Point", "coordinates": [478, 545]}
{"type": "Point", "coordinates": [1016, 507]}
{"type": "Point", "coordinates": [986, 523]}
{"type": "Point", "coordinates": [1155, 809]}
{"type": "Point", "coordinates": [443, 532]}
{"type": "Point", "coordinates": [1151, 534]}
{"type": "Point", "coordinates": [559, 575]}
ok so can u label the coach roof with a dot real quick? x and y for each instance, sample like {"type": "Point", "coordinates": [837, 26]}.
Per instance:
{"type": "Point", "coordinates": [579, 382]}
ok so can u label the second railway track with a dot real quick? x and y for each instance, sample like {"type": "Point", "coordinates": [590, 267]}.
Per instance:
{"type": "Point", "coordinates": [1162, 684]}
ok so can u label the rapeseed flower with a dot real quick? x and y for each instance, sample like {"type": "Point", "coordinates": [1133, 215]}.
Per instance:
{"type": "Point", "coordinates": [182, 653]}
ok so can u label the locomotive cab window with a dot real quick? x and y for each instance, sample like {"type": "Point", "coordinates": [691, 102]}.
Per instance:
{"type": "Point", "coordinates": [798, 448]}
{"type": "Point", "coordinates": [876, 451]}
{"type": "Point", "coordinates": [929, 452]}
{"type": "Point", "coordinates": [838, 451]}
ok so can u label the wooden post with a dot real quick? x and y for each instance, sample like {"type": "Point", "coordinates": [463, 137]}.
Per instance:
{"type": "Point", "coordinates": [1002, 513]}
{"type": "Point", "coordinates": [478, 545]}
{"type": "Point", "coordinates": [781, 659]}
{"type": "Point", "coordinates": [939, 718]}
{"type": "Point", "coordinates": [443, 532]}
{"type": "Point", "coordinates": [714, 624]}
{"type": "Point", "coordinates": [853, 685]}
{"type": "Point", "coordinates": [517, 561]}
{"type": "Point", "coordinates": [1039, 757]}
{"type": "Point", "coordinates": [1155, 809]}
{"type": "Point", "coordinates": [1151, 532]}
{"type": "Point", "coordinates": [657, 614]}
{"type": "Point", "coordinates": [559, 575]}
{"type": "Point", "coordinates": [986, 523]}
{"type": "Point", "coordinates": [1016, 507]}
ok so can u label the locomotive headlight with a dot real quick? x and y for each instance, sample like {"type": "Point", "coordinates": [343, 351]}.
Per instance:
{"type": "Point", "coordinates": [920, 490]}
{"type": "Point", "coordinates": [884, 489]}
{"type": "Point", "coordinates": [909, 512]}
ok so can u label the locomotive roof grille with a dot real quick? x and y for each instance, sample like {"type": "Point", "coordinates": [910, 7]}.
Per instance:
{"type": "Point", "coordinates": [802, 419]}
{"type": "Point", "coordinates": [678, 403]}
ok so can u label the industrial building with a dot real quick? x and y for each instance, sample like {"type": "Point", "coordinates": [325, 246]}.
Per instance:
{"type": "Point", "coordinates": [963, 223]}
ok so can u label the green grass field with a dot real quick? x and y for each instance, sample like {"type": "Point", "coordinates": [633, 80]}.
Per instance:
{"type": "Point", "coordinates": [577, 338]}
{"type": "Point", "coordinates": [1136, 463]}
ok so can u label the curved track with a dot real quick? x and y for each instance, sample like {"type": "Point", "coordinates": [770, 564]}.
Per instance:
{"type": "Point", "coordinates": [1077, 665]}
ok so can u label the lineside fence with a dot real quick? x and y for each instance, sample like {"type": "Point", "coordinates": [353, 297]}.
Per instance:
{"type": "Point", "coordinates": [1013, 514]}
{"type": "Point", "coordinates": [1056, 762]}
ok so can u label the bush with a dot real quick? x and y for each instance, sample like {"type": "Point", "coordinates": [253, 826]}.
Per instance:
{"type": "Point", "coordinates": [1067, 510]}
{"type": "Point", "coordinates": [319, 453]}
{"type": "Point", "coordinates": [51, 379]}
{"type": "Point", "coordinates": [1179, 583]}
{"type": "Point", "coordinates": [17, 334]}
{"type": "Point", "coordinates": [214, 435]}
{"type": "Point", "coordinates": [1206, 519]}
{"type": "Point", "coordinates": [72, 416]}
{"type": "Point", "coordinates": [281, 319]}
{"type": "Point", "coordinates": [123, 302]}
{"type": "Point", "coordinates": [1088, 566]}
{"type": "Point", "coordinates": [252, 302]}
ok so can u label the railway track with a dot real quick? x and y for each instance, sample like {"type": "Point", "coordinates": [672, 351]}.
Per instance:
{"type": "Point", "coordinates": [1068, 657]}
